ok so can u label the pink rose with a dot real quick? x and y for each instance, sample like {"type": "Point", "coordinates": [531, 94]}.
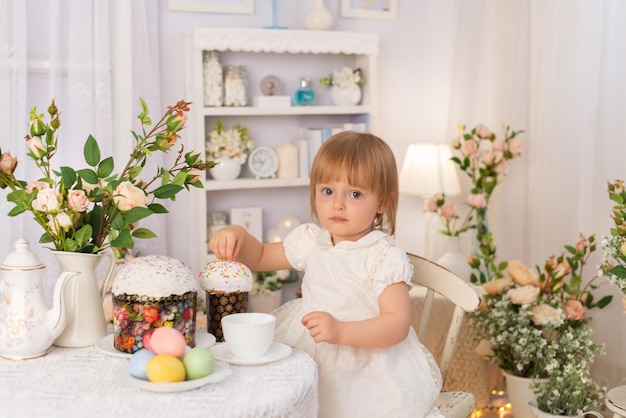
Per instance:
{"type": "Point", "coordinates": [447, 211]}
{"type": "Point", "coordinates": [498, 144]}
{"type": "Point", "coordinates": [580, 247]}
{"type": "Point", "coordinates": [497, 286]}
{"type": "Point", "coordinates": [544, 314]}
{"type": "Point", "coordinates": [430, 205]}
{"type": "Point", "coordinates": [36, 185]}
{"type": "Point", "coordinates": [127, 196]}
{"type": "Point", "coordinates": [515, 146]}
{"type": "Point", "coordinates": [77, 200]}
{"type": "Point", "coordinates": [196, 173]}
{"type": "Point", "coordinates": [469, 148]}
{"type": "Point", "coordinates": [562, 269]}
{"type": "Point", "coordinates": [523, 295]}
{"type": "Point", "coordinates": [488, 158]}
{"type": "Point", "coordinates": [575, 310]}
{"type": "Point", "coordinates": [477, 201]}
{"type": "Point", "coordinates": [7, 163]}
{"type": "Point", "coordinates": [482, 131]}
{"type": "Point", "coordinates": [622, 248]}
{"type": "Point", "coordinates": [501, 167]}
{"type": "Point", "coordinates": [47, 200]}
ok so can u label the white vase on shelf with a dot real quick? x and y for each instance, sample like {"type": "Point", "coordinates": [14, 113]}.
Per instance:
{"type": "Point", "coordinates": [318, 17]}
{"type": "Point", "coordinates": [225, 169]}
{"type": "Point", "coordinates": [454, 259]}
{"type": "Point", "coordinates": [346, 96]}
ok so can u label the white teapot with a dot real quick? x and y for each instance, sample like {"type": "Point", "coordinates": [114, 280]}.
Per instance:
{"type": "Point", "coordinates": [27, 327]}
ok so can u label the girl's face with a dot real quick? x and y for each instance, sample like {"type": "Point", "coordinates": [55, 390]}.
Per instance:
{"type": "Point", "coordinates": [347, 211]}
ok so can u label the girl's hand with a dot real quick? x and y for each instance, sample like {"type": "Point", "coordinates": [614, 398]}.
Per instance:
{"type": "Point", "coordinates": [227, 242]}
{"type": "Point", "coordinates": [323, 327]}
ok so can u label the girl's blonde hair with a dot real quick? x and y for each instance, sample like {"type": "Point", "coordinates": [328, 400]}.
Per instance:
{"type": "Point", "coordinates": [367, 162]}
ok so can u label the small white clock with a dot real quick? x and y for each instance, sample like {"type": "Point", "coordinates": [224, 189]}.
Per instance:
{"type": "Point", "coordinates": [263, 162]}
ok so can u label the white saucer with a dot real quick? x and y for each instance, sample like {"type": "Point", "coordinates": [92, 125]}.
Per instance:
{"type": "Point", "coordinates": [276, 352]}
{"type": "Point", "coordinates": [105, 344]}
{"type": "Point", "coordinates": [220, 372]}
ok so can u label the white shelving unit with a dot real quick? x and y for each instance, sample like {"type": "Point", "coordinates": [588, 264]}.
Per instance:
{"type": "Point", "coordinates": [287, 54]}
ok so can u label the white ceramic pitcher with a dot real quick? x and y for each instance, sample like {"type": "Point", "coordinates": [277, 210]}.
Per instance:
{"type": "Point", "coordinates": [540, 414]}
{"type": "Point", "coordinates": [27, 327]}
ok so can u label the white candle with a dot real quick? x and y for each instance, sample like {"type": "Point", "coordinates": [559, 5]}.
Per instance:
{"type": "Point", "coordinates": [288, 161]}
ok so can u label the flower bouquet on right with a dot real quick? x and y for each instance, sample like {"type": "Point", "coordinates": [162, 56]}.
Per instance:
{"type": "Point", "coordinates": [533, 324]}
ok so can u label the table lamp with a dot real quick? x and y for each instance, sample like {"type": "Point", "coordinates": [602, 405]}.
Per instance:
{"type": "Point", "coordinates": [426, 171]}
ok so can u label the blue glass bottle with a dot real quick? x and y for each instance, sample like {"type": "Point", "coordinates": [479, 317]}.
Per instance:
{"type": "Point", "coordinates": [304, 96]}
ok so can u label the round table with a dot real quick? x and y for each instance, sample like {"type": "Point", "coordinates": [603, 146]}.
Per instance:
{"type": "Point", "coordinates": [87, 383]}
{"type": "Point", "coordinates": [615, 400]}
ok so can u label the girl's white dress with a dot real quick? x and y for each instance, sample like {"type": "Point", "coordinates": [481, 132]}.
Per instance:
{"type": "Point", "coordinates": [345, 280]}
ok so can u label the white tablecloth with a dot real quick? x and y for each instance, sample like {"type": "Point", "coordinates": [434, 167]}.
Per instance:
{"type": "Point", "coordinates": [84, 382]}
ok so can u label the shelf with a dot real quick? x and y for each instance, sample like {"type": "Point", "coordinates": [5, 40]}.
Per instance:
{"type": "Point", "coordinates": [248, 183]}
{"type": "Point", "coordinates": [287, 111]}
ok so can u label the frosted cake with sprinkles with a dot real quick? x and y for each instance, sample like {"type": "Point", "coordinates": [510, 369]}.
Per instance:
{"type": "Point", "coordinates": [227, 284]}
{"type": "Point", "coordinates": [150, 292]}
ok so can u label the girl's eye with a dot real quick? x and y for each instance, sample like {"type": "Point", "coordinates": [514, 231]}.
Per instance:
{"type": "Point", "coordinates": [355, 194]}
{"type": "Point", "coordinates": [326, 191]}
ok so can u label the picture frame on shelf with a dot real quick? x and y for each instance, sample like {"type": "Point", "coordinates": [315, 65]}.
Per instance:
{"type": "Point", "coordinates": [213, 6]}
{"type": "Point", "coordinates": [368, 9]}
{"type": "Point", "coordinates": [249, 218]}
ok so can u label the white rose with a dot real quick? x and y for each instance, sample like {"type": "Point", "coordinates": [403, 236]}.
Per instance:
{"type": "Point", "coordinates": [521, 274]}
{"type": "Point", "coordinates": [496, 286]}
{"type": "Point", "coordinates": [523, 295]}
{"type": "Point", "coordinates": [59, 221]}
{"type": "Point", "coordinates": [544, 314]}
{"type": "Point", "coordinates": [128, 196]}
{"type": "Point", "coordinates": [77, 200]}
{"type": "Point", "coordinates": [47, 201]}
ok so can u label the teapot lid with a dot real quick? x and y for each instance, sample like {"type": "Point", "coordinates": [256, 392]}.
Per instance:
{"type": "Point", "coordinates": [21, 258]}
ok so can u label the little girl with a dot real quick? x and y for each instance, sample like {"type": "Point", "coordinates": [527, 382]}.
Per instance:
{"type": "Point", "coordinates": [354, 314]}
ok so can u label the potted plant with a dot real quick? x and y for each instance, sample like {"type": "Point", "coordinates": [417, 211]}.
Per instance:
{"type": "Point", "coordinates": [229, 149]}
{"type": "Point", "coordinates": [568, 393]}
{"type": "Point", "coordinates": [345, 86]}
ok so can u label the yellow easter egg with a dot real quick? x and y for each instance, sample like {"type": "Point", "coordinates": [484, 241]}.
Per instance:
{"type": "Point", "coordinates": [165, 368]}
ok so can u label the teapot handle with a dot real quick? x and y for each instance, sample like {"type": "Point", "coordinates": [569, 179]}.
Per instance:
{"type": "Point", "coordinates": [105, 283]}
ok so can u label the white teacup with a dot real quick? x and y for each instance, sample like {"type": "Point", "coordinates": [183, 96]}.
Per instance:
{"type": "Point", "coordinates": [249, 334]}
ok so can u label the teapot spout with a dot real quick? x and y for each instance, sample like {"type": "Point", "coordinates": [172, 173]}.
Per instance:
{"type": "Point", "coordinates": [56, 318]}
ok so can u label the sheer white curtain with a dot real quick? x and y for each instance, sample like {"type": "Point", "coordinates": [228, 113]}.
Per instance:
{"type": "Point", "coordinates": [68, 50]}
{"type": "Point", "coordinates": [556, 70]}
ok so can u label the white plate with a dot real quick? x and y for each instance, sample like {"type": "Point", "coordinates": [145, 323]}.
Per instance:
{"type": "Point", "coordinates": [220, 372]}
{"type": "Point", "coordinates": [276, 352]}
{"type": "Point", "coordinates": [203, 339]}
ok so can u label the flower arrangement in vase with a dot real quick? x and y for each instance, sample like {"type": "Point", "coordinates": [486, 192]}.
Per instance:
{"type": "Point", "coordinates": [85, 211]}
{"type": "Point", "coordinates": [345, 86]}
{"type": "Point", "coordinates": [530, 323]}
{"type": "Point", "coordinates": [484, 157]}
{"type": "Point", "coordinates": [229, 148]}
{"type": "Point", "coordinates": [534, 325]}
{"type": "Point", "coordinates": [614, 246]}
{"type": "Point", "coordinates": [90, 209]}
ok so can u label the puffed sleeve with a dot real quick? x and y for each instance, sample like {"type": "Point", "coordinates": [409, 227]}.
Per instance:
{"type": "Point", "coordinates": [299, 243]}
{"type": "Point", "coordinates": [391, 265]}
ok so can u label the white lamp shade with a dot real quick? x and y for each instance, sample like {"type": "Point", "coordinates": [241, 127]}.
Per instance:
{"type": "Point", "coordinates": [428, 170]}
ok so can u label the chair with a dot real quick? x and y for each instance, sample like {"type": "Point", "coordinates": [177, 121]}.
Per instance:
{"type": "Point", "coordinates": [439, 280]}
